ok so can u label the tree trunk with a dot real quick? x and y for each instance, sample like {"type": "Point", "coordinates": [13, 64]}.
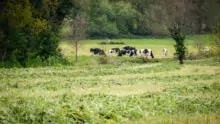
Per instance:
{"type": "Point", "coordinates": [3, 55]}
{"type": "Point", "coordinates": [181, 59]}
{"type": "Point", "coordinates": [76, 51]}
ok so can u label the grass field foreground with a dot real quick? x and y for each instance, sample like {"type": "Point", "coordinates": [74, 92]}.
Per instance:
{"type": "Point", "coordinates": [164, 92]}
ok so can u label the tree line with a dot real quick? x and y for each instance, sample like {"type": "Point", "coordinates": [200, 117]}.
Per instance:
{"type": "Point", "coordinates": [118, 18]}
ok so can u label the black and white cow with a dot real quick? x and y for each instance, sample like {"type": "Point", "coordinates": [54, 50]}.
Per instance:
{"type": "Point", "coordinates": [128, 50]}
{"type": "Point", "coordinates": [113, 50]}
{"type": "Point", "coordinates": [122, 52]}
{"type": "Point", "coordinates": [165, 52]}
{"type": "Point", "coordinates": [149, 52]}
{"type": "Point", "coordinates": [140, 52]}
{"type": "Point", "coordinates": [131, 50]}
{"type": "Point", "coordinates": [145, 52]}
{"type": "Point", "coordinates": [96, 51]}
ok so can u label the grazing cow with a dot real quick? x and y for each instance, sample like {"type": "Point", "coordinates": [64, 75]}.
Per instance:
{"type": "Point", "coordinates": [133, 53]}
{"type": "Point", "coordinates": [206, 49]}
{"type": "Point", "coordinates": [165, 52]}
{"type": "Point", "coordinates": [122, 52]}
{"type": "Point", "coordinates": [130, 52]}
{"type": "Point", "coordinates": [128, 49]}
{"type": "Point", "coordinates": [149, 52]}
{"type": "Point", "coordinates": [145, 52]}
{"type": "Point", "coordinates": [96, 51]}
{"type": "Point", "coordinates": [113, 50]}
{"type": "Point", "coordinates": [140, 52]}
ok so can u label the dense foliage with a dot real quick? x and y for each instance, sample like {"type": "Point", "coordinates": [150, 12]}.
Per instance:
{"type": "Point", "coordinates": [123, 18]}
{"type": "Point", "coordinates": [29, 29]}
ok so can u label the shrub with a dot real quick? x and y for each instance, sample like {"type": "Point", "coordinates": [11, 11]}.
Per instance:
{"type": "Point", "coordinates": [140, 60]}
{"type": "Point", "coordinates": [200, 55]}
{"type": "Point", "coordinates": [56, 61]}
{"type": "Point", "coordinates": [10, 64]}
{"type": "Point", "coordinates": [112, 42]}
{"type": "Point", "coordinates": [108, 60]}
{"type": "Point", "coordinates": [33, 62]}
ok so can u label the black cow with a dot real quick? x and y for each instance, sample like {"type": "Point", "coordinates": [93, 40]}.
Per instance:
{"type": "Point", "coordinates": [122, 52]}
{"type": "Point", "coordinates": [95, 51]}
{"type": "Point", "coordinates": [128, 48]}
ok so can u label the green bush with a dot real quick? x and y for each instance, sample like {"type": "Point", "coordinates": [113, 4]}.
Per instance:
{"type": "Point", "coordinates": [56, 61]}
{"type": "Point", "coordinates": [139, 60]}
{"type": "Point", "coordinates": [35, 62]}
{"type": "Point", "coordinates": [10, 64]}
{"type": "Point", "coordinates": [112, 42]}
{"type": "Point", "coordinates": [200, 55]}
{"type": "Point", "coordinates": [107, 60]}
{"type": "Point", "coordinates": [46, 44]}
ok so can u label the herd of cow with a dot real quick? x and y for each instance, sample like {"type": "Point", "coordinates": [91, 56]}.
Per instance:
{"type": "Point", "coordinates": [126, 50]}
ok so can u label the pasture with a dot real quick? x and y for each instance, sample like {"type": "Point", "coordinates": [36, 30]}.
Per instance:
{"type": "Point", "coordinates": [162, 92]}
{"type": "Point", "coordinates": [156, 44]}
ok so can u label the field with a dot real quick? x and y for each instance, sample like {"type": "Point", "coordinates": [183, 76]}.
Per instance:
{"type": "Point", "coordinates": [159, 92]}
{"type": "Point", "coordinates": [156, 44]}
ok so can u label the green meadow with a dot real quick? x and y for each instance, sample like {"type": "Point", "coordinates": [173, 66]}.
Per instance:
{"type": "Point", "coordinates": [156, 44]}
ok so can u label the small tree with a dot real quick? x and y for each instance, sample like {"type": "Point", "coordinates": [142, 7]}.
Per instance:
{"type": "Point", "coordinates": [180, 46]}
{"type": "Point", "coordinates": [176, 17]}
{"type": "Point", "coordinates": [77, 32]}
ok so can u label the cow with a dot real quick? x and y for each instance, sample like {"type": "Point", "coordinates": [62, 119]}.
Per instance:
{"type": "Point", "coordinates": [148, 52]}
{"type": "Point", "coordinates": [206, 49]}
{"type": "Point", "coordinates": [165, 52]}
{"type": "Point", "coordinates": [96, 51]}
{"type": "Point", "coordinates": [133, 53]}
{"type": "Point", "coordinates": [145, 52]}
{"type": "Point", "coordinates": [128, 50]}
{"type": "Point", "coordinates": [140, 52]}
{"type": "Point", "coordinates": [113, 50]}
{"type": "Point", "coordinates": [122, 52]}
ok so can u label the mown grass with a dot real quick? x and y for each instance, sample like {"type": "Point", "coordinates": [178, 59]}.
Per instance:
{"type": "Point", "coordinates": [162, 92]}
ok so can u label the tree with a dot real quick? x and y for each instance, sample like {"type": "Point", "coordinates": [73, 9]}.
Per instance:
{"type": "Point", "coordinates": [29, 28]}
{"type": "Point", "coordinates": [127, 18]}
{"type": "Point", "coordinates": [179, 38]}
{"type": "Point", "coordinates": [77, 32]}
{"type": "Point", "coordinates": [177, 17]}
